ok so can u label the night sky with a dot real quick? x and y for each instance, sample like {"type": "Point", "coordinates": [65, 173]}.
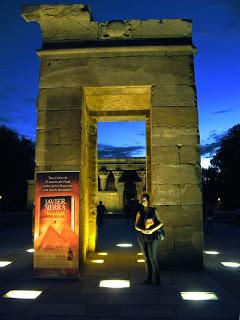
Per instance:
{"type": "Point", "coordinates": [216, 34]}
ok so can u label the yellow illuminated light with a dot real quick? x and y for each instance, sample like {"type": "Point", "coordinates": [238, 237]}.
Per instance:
{"type": "Point", "coordinates": [124, 245]}
{"type": "Point", "coordinates": [4, 263]}
{"type": "Point", "coordinates": [140, 260]}
{"type": "Point", "coordinates": [230, 264]}
{"type": "Point", "coordinates": [97, 261]}
{"type": "Point", "coordinates": [211, 252]}
{"type": "Point", "coordinates": [102, 254]}
{"type": "Point", "coordinates": [30, 250]}
{"type": "Point", "coordinates": [140, 254]}
{"type": "Point", "coordinates": [195, 295]}
{"type": "Point", "coordinates": [22, 294]}
{"type": "Point", "coordinates": [114, 284]}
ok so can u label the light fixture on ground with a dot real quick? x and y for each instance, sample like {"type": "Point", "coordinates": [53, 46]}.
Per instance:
{"type": "Point", "coordinates": [115, 284]}
{"type": "Point", "coordinates": [140, 260]}
{"type": "Point", "coordinates": [211, 252]}
{"type": "Point", "coordinates": [140, 254]}
{"type": "Point", "coordinates": [97, 261]}
{"type": "Point", "coordinates": [198, 295]}
{"type": "Point", "coordinates": [124, 245]}
{"type": "Point", "coordinates": [30, 250]}
{"type": "Point", "coordinates": [102, 253]}
{"type": "Point", "coordinates": [230, 264]}
{"type": "Point", "coordinates": [4, 263]}
{"type": "Point", "coordinates": [22, 294]}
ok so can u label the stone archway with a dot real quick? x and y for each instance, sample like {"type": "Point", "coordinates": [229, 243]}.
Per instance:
{"type": "Point", "coordinates": [116, 103]}
{"type": "Point", "coordinates": [122, 70]}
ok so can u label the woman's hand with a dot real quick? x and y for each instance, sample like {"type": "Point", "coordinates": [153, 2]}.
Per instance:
{"type": "Point", "coordinates": [148, 231]}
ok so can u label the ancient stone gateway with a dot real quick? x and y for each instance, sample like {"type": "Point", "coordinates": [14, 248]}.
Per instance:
{"type": "Point", "coordinates": [122, 70]}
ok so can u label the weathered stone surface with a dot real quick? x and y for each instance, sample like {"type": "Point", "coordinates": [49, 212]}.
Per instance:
{"type": "Point", "coordinates": [59, 119]}
{"type": "Point", "coordinates": [60, 99]}
{"type": "Point", "coordinates": [165, 155]}
{"type": "Point", "coordinates": [57, 64]}
{"type": "Point", "coordinates": [175, 174]}
{"type": "Point", "coordinates": [180, 50]}
{"type": "Point", "coordinates": [188, 237]}
{"type": "Point", "coordinates": [58, 154]}
{"type": "Point", "coordinates": [47, 137]}
{"type": "Point", "coordinates": [73, 22]}
{"type": "Point", "coordinates": [166, 70]}
{"type": "Point", "coordinates": [136, 70]}
{"type": "Point", "coordinates": [166, 194]}
{"type": "Point", "coordinates": [166, 28]}
{"type": "Point", "coordinates": [191, 194]}
{"type": "Point", "coordinates": [174, 95]}
{"type": "Point", "coordinates": [67, 77]}
{"type": "Point", "coordinates": [180, 215]}
{"type": "Point", "coordinates": [173, 136]}
{"type": "Point", "coordinates": [63, 22]}
{"type": "Point", "coordinates": [70, 135]}
{"type": "Point", "coordinates": [116, 102]}
{"type": "Point", "coordinates": [189, 154]}
{"type": "Point", "coordinates": [174, 116]}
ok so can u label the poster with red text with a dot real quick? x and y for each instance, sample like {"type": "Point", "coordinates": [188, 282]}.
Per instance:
{"type": "Point", "coordinates": [56, 238]}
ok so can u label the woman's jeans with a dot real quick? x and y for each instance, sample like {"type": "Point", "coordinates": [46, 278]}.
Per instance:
{"type": "Point", "coordinates": [150, 251]}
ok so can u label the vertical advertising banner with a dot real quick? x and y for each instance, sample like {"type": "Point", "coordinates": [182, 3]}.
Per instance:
{"type": "Point", "coordinates": [56, 237]}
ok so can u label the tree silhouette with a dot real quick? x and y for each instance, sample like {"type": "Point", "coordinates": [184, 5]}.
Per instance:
{"type": "Point", "coordinates": [16, 166]}
{"type": "Point", "coordinates": [226, 167]}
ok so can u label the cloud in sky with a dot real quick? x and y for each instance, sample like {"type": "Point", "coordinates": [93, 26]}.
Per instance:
{"type": "Point", "coordinates": [222, 111]}
{"type": "Point", "coordinates": [208, 149]}
{"type": "Point", "coordinates": [109, 151]}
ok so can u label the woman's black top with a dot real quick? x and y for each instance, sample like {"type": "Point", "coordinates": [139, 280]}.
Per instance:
{"type": "Point", "coordinates": [144, 215]}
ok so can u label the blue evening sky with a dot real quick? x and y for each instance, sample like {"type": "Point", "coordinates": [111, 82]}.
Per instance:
{"type": "Point", "coordinates": [216, 34]}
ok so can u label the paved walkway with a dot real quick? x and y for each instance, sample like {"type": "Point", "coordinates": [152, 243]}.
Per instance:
{"type": "Point", "coordinates": [84, 299]}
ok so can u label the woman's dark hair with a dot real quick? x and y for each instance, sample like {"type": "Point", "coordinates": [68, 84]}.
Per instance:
{"type": "Point", "coordinates": [146, 196]}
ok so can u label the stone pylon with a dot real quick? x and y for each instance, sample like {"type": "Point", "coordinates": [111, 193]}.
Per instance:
{"type": "Point", "coordinates": [122, 71]}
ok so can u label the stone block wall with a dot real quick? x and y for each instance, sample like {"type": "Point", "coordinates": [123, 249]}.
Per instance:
{"type": "Point", "coordinates": [153, 53]}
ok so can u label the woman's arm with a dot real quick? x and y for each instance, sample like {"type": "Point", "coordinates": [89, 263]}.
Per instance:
{"type": "Point", "coordinates": [136, 223]}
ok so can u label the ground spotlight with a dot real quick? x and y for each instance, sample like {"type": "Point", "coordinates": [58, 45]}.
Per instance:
{"type": "Point", "coordinates": [22, 294]}
{"type": "Point", "coordinates": [230, 264]}
{"type": "Point", "coordinates": [102, 253]}
{"type": "Point", "coordinates": [196, 295]}
{"type": "Point", "coordinates": [115, 284]}
{"type": "Point", "coordinates": [97, 261]}
{"type": "Point", "coordinates": [124, 245]}
{"type": "Point", "coordinates": [211, 252]}
{"type": "Point", "coordinates": [30, 250]}
{"type": "Point", "coordinates": [4, 263]}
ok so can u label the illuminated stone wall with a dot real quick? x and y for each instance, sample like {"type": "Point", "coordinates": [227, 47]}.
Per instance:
{"type": "Point", "coordinates": [122, 71]}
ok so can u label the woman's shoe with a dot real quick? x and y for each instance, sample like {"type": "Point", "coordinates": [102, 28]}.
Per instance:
{"type": "Point", "coordinates": [157, 283]}
{"type": "Point", "coordinates": [147, 281]}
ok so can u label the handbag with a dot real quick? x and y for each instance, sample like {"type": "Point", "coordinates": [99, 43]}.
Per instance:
{"type": "Point", "coordinates": [161, 233]}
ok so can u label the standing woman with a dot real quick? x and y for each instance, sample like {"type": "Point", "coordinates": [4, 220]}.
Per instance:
{"type": "Point", "coordinates": [147, 223]}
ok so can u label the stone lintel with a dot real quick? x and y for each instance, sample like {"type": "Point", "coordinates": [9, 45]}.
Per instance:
{"type": "Point", "coordinates": [162, 50]}
{"type": "Point", "coordinates": [117, 90]}
{"type": "Point", "coordinates": [129, 116]}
